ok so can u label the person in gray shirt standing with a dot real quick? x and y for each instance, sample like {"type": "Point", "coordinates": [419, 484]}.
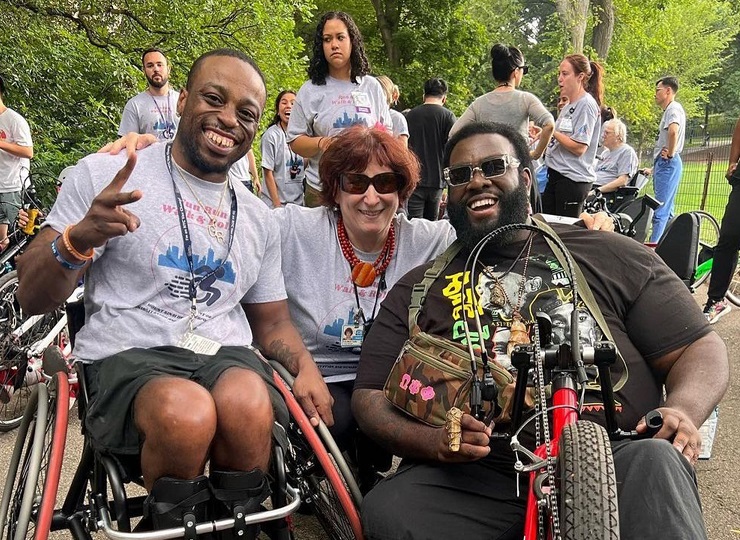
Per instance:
{"type": "Point", "coordinates": [153, 110]}
{"type": "Point", "coordinates": [429, 126]}
{"type": "Point", "coordinates": [667, 166]}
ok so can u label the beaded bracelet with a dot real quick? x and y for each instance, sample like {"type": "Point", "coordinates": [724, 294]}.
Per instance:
{"type": "Point", "coordinates": [60, 258]}
{"type": "Point", "coordinates": [68, 244]}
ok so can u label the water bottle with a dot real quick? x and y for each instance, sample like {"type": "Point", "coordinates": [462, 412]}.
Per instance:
{"type": "Point", "coordinates": [30, 227]}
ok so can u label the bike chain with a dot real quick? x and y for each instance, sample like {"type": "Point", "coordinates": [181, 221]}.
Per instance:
{"type": "Point", "coordinates": [545, 431]}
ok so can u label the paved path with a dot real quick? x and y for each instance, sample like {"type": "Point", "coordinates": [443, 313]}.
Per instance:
{"type": "Point", "coordinates": [719, 477]}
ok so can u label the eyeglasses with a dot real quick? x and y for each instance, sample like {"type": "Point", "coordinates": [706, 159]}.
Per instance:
{"type": "Point", "coordinates": [524, 68]}
{"type": "Point", "coordinates": [490, 168]}
{"type": "Point", "coordinates": [384, 183]}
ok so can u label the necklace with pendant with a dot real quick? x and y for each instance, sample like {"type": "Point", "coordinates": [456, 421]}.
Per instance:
{"type": "Point", "coordinates": [364, 273]}
{"type": "Point", "coordinates": [518, 334]}
{"type": "Point", "coordinates": [213, 230]}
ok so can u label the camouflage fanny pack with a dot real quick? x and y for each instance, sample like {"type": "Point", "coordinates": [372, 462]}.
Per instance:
{"type": "Point", "coordinates": [433, 374]}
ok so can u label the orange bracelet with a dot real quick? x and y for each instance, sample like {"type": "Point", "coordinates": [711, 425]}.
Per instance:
{"type": "Point", "coordinates": [76, 254]}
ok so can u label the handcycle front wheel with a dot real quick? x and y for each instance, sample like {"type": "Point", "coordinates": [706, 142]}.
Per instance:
{"type": "Point", "coordinates": [708, 238]}
{"type": "Point", "coordinates": [31, 486]}
{"type": "Point", "coordinates": [587, 483]}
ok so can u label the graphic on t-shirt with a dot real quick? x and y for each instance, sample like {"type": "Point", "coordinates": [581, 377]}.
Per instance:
{"type": "Point", "coordinates": [3, 135]}
{"type": "Point", "coordinates": [345, 121]}
{"type": "Point", "coordinates": [203, 268]}
{"type": "Point", "coordinates": [164, 129]}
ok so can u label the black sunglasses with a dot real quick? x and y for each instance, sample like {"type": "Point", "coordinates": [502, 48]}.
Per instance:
{"type": "Point", "coordinates": [490, 168]}
{"type": "Point", "coordinates": [357, 183]}
{"type": "Point", "coordinates": [524, 68]}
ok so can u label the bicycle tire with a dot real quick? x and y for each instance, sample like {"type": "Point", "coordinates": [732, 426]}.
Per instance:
{"type": "Point", "coordinates": [18, 372]}
{"type": "Point", "coordinates": [322, 484]}
{"type": "Point", "coordinates": [708, 238]}
{"type": "Point", "coordinates": [17, 507]}
{"type": "Point", "coordinates": [588, 487]}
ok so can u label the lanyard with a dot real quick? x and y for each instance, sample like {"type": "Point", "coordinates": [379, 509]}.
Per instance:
{"type": "Point", "coordinates": [186, 239]}
{"type": "Point", "coordinates": [167, 132]}
{"type": "Point", "coordinates": [360, 315]}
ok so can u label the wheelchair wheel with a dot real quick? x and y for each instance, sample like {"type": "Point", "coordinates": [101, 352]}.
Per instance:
{"type": "Point", "coordinates": [317, 474]}
{"type": "Point", "coordinates": [708, 237]}
{"type": "Point", "coordinates": [733, 291]}
{"type": "Point", "coordinates": [18, 334]}
{"type": "Point", "coordinates": [587, 483]}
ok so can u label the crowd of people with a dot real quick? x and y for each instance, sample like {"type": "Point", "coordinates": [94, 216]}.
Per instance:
{"type": "Point", "coordinates": [185, 268]}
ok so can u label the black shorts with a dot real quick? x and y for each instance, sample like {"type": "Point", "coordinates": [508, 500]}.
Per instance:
{"type": "Point", "coordinates": [112, 385]}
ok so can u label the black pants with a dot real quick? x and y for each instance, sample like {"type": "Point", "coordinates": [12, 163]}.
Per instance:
{"type": "Point", "coordinates": [424, 203]}
{"type": "Point", "coordinates": [725, 253]}
{"type": "Point", "coordinates": [563, 196]}
{"type": "Point", "coordinates": [658, 498]}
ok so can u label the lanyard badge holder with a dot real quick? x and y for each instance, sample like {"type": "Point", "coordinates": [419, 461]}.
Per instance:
{"type": "Point", "coordinates": [190, 340]}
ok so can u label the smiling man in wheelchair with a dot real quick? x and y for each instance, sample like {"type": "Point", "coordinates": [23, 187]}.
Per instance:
{"type": "Point", "coordinates": [458, 477]}
{"type": "Point", "coordinates": [174, 255]}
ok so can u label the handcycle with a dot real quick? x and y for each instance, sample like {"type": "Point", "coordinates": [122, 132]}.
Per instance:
{"type": "Point", "coordinates": [97, 499]}
{"type": "Point", "coordinates": [572, 492]}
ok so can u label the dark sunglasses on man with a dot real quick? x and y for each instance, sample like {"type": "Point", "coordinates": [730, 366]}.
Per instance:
{"type": "Point", "coordinates": [384, 183]}
{"type": "Point", "coordinates": [490, 167]}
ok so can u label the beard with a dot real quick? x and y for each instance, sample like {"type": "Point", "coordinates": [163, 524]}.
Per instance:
{"type": "Point", "coordinates": [157, 84]}
{"type": "Point", "coordinates": [513, 208]}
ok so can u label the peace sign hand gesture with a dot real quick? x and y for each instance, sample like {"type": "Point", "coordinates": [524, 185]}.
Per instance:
{"type": "Point", "coordinates": [107, 217]}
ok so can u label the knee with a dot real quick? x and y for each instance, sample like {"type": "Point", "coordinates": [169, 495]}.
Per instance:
{"type": "Point", "coordinates": [654, 458]}
{"type": "Point", "coordinates": [166, 409]}
{"type": "Point", "coordinates": [380, 514]}
{"type": "Point", "coordinates": [239, 394]}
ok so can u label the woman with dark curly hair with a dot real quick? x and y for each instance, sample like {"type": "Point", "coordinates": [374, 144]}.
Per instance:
{"type": "Point", "coordinates": [340, 94]}
{"type": "Point", "coordinates": [339, 260]}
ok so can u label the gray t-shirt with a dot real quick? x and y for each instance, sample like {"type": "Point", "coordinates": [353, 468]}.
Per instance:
{"type": "Point", "coordinates": [673, 114]}
{"type": "Point", "coordinates": [400, 125]}
{"type": "Point", "coordinates": [321, 296]}
{"type": "Point", "coordinates": [325, 110]}
{"type": "Point", "coordinates": [581, 121]}
{"type": "Point", "coordinates": [145, 113]}
{"type": "Point", "coordinates": [136, 291]}
{"type": "Point", "coordinates": [515, 108]}
{"type": "Point", "coordinates": [615, 163]}
{"type": "Point", "coordinates": [287, 167]}
{"type": "Point", "coordinates": [13, 169]}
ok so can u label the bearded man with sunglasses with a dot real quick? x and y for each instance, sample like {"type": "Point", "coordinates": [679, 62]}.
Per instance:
{"type": "Point", "coordinates": [443, 492]}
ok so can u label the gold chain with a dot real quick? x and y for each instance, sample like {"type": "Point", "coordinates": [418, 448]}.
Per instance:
{"type": "Point", "coordinates": [212, 218]}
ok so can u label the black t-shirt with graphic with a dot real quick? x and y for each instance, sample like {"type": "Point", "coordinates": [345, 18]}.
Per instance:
{"type": "Point", "coordinates": [649, 311]}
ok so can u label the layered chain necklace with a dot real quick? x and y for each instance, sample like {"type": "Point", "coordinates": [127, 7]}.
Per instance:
{"type": "Point", "coordinates": [364, 273]}
{"type": "Point", "coordinates": [212, 228]}
{"type": "Point", "coordinates": [518, 334]}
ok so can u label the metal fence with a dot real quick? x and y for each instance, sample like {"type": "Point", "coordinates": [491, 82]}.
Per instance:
{"type": "Point", "coordinates": [705, 158]}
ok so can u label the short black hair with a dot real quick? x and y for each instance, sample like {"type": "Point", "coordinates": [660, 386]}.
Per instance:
{"type": "Point", "coordinates": [151, 50]}
{"type": "Point", "coordinates": [669, 81]}
{"type": "Point", "coordinates": [435, 87]}
{"type": "Point", "coordinates": [233, 53]}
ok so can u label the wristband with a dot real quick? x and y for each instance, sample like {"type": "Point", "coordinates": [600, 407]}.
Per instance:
{"type": "Point", "coordinates": [68, 244]}
{"type": "Point", "coordinates": [61, 260]}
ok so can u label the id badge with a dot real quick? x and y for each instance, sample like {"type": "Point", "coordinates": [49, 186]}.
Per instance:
{"type": "Point", "coordinates": [198, 344]}
{"type": "Point", "coordinates": [566, 125]}
{"type": "Point", "coordinates": [361, 101]}
{"type": "Point", "coordinates": [351, 336]}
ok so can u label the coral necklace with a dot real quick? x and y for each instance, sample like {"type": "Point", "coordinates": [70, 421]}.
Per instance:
{"type": "Point", "coordinates": [364, 273]}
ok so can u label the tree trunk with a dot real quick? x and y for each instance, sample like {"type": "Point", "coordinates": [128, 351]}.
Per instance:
{"type": "Point", "coordinates": [387, 15]}
{"type": "Point", "coordinates": [574, 14]}
{"type": "Point", "coordinates": [604, 29]}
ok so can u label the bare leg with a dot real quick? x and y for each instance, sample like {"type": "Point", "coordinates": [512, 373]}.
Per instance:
{"type": "Point", "coordinates": [244, 436]}
{"type": "Point", "coordinates": [177, 421]}
{"type": "Point", "coordinates": [4, 240]}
